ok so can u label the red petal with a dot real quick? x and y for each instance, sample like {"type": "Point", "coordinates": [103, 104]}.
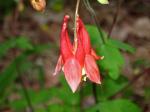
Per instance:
{"type": "Point", "coordinates": [65, 44]}
{"type": "Point", "coordinates": [68, 41]}
{"type": "Point", "coordinates": [80, 54]}
{"type": "Point", "coordinates": [93, 53]}
{"type": "Point", "coordinates": [66, 18]}
{"type": "Point", "coordinates": [92, 70]}
{"type": "Point", "coordinates": [59, 65]}
{"type": "Point", "coordinates": [72, 71]}
{"type": "Point", "coordinates": [84, 36]}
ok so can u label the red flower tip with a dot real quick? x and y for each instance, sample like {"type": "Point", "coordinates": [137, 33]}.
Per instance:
{"type": "Point", "coordinates": [84, 36]}
{"type": "Point", "coordinates": [72, 71]}
{"type": "Point", "coordinates": [65, 44]}
{"type": "Point", "coordinates": [92, 70]}
{"type": "Point", "coordinates": [59, 65]}
{"type": "Point", "coordinates": [66, 18]}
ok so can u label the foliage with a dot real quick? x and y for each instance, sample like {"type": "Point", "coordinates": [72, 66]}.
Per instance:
{"type": "Point", "coordinates": [19, 65]}
{"type": "Point", "coordinates": [56, 5]}
{"type": "Point", "coordinates": [111, 50]}
{"type": "Point", "coordinates": [119, 105]}
{"type": "Point", "coordinates": [60, 98]}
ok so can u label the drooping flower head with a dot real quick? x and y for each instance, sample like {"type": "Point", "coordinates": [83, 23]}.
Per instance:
{"type": "Point", "coordinates": [69, 58]}
{"type": "Point", "coordinates": [90, 66]}
{"type": "Point", "coordinates": [79, 61]}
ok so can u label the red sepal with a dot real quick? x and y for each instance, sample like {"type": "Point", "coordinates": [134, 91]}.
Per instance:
{"type": "Point", "coordinates": [84, 36]}
{"type": "Point", "coordinates": [65, 43]}
{"type": "Point", "coordinates": [91, 69]}
{"type": "Point", "coordinates": [72, 71]}
{"type": "Point", "coordinates": [59, 65]}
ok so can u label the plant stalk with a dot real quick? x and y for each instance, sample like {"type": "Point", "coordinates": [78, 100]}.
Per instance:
{"type": "Point", "coordinates": [75, 20]}
{"type": "Point", "coordinates": [75, 24]}
{"type": "Point", "coordinates": [25, 91]}
{"type": "Point", "coordinates": [93, 14]}
{"type": "Point", "coordinates": [115, 18]}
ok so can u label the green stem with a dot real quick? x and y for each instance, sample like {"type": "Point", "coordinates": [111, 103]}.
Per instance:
{"type": "Point", "coordinates": [25, 91]}
{"type": "Point", "coordinates": [95, 93]}
{"type": "Point", "coordinates": [115, 18]}
{"type": "Point", "coordinates": [93, 14]}
{"type": "Point", "coordinates": [27, 97]}
{"type": "Point", "coordinates": [94, 90]}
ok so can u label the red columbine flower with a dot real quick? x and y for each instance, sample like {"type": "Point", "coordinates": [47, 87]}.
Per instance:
{"type": "Point", "coordinates": [78, 59]}
{"type": "Point", "coordinates": [90, 66]}
{"type": "Point", "coordinates": [69, 58]}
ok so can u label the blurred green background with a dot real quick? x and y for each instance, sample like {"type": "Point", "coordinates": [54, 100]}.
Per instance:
{"type": "Point", "coordinates": [29, 48]}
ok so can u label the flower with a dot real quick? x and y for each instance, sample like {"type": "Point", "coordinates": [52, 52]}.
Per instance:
{"type": "Point", "coordinates": [77, 60]}
{"type": "Point", "coordinates": [69, 59]}
{"type": "Point", "coordinates": [90, 66]}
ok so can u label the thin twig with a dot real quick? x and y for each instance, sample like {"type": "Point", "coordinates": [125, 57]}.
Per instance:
{"type": "Point", "coordinates": [25, 91]}
{"type": "Point", "coordinates": [75, 25]}
{"type": "Point", "coordinates": [27, 95]}
{"type": "Point", "coordinates": [95, 93]}
{"type": "Point", "coordinates": [81, 97]}
{"type": "Point", "coordinates": [76, 15]}
{"type": "Point", "coordinates": [94, 90]}
{"type": "Point", "coordinates": [16, 16]}
{"type": "Point", "coordinates": [93, 14]}
{"type": "Point", "coordinates": [115, 18]}
{"type": "Point", "coordinates": [145, 72]}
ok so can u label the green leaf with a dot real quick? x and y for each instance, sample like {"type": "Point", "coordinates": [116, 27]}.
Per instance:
{"type": "Point", "coordinates": [38, 49]}
{"type": "Point", "coordinates": [119, 105]}
{"type": "Point", "coordinates": [23, 43]}
{"type": "Point", "coordinates": [19, 42]}
{"type": "Point", "coordinates": [56, 108]}
{"type": "Point", "coordinates": [147, 93]}
{"type": "Point", "coordinates": [62, 108]}
{"type": "Point", "coordinates": [122, 46]}
{"type": "Point", "coordinates": [9, 74]}
{"type": "Point", "coordinates": [95, 36]}
{"type": "Point", "coordinates": [37, 98]}
{"type": "Point", "coordinates": [109, 84]}
{"type": "Point", "coordinates": [5, 46]}
{"type": "Point", "coordinates": [103, 1]}
{"type": "Point", "coordinates": [113, 60]}
{"type": "Point", "coordinates": [7, 77]}
{"type": "Point", "coordinates": [45, 95]}
{"type": "Point", "coordinates": [73, 99]}
{"type": "Point", "coordinates": [57, 5]}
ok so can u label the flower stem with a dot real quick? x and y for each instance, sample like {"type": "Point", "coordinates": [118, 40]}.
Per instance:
{"type": "Point", "coordinates": [115, 18]}
{"type": "Point", "coordinates": [75, 23]}
{"type": "Point", "coordinates": [27, 97]}
{"type": "Point", "coordinates": [94, 90]}
{"type": "Point", "coordinates": [25, 91]}
{"type": "Point", "coordinates": [93, 15]}
{"type": "Point", "coordinates": [94, 93]}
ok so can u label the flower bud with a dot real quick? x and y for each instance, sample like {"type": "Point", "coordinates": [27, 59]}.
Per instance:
{"type": "Point", "coordinates": [38, 5]}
